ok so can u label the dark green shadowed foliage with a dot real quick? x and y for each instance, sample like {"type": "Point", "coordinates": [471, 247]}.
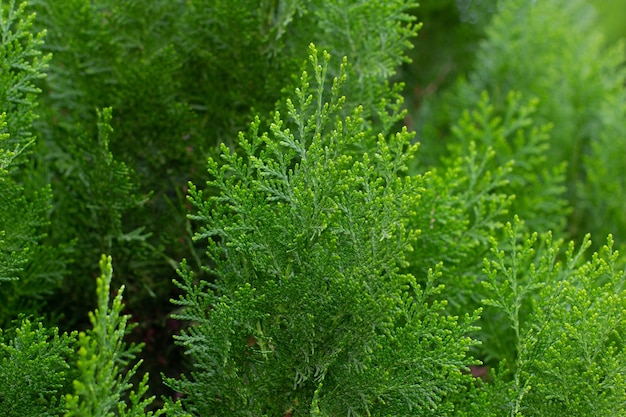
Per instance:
{"type": "Point", "coordinates": [31, 269]}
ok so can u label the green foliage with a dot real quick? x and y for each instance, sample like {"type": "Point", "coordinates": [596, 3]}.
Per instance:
{"type": "Point", "coordinates": [312, 314]}
{"type": "Point", "coordinates": [102, 383]}
{"type": "Point", "coordinates": [612, 14]}
{"type": "Point", "coordinates": [496, 166]}
{"type": "Point", "coordinates": [604, 188]}
{"type": "Point", "coordinates": [33, 370]}
{"type": "Point", "coordinates": [109, 55]}
{"type": "Point", "coordinates": [92, 194]}
{"type": "Point", "coordinates": [23, 203]}
{"type": "Point", "coordinates": [82, 374]}
{"type": "Point", "coordinates": [344, 271]}
{"type": "Point", "coordinates": [95, 177]}
{"type": "Point", "coordinates": [374, 55]}
{"type": "Point", "coordinates": [577, 79]}
{"type": "Point", "coordinates": [21, 64]}
{"type": "Point", "coordinates": [274, 35]}
{"type": "Point", "coordinates": [446, 48]}
{"type": "Point", "coordinates": [566, 315]}
{"type": "Point", "coordinates": [37, 365]}
{"type": "Point", "coordinates": [181, 77]}
{"type": "Point", "coordinates": [517, 165]}
{"type": "Point", "coordinates": [21, 221]}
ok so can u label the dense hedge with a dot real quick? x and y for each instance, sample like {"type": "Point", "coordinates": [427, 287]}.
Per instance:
{"type": "Point", "coordinates": [310, 210]}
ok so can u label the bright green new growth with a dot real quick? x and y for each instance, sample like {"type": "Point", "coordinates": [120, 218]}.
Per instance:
{"type": "Point", "coordinates": [495, 167]}
{"type": "Point", "coordinates": [568, 316]}
{"type": "Point", "coordinates": [312, 313]}
{"type": "Point", "coordinates": [103, 379]}
{"type": "Point", "coordinates": [87, 374]}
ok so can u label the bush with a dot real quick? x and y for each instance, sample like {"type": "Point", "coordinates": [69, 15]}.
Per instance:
{"type": "Point", "coordinates": [578, 81]}
{"type": "Point", "coordinates": [329, 261]}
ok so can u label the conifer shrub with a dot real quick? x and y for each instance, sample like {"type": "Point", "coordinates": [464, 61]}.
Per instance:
{"type": "Point", "coordinates": [179, 83]}
{"type": "Point", "coordinates": [34, 366]}
{"type": "Point", "coordinates": [335, 263]}
{"type": "Point", "coordinates": [565, 318]}
{"type": "Point", "coordinates": [307, 238]}
{"type": "Point", "coordinates": [578, 81]}
{"type": "Point", "coordinates": [105, 363]}
{"type": "Point", "coordinates": [27, 269]}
